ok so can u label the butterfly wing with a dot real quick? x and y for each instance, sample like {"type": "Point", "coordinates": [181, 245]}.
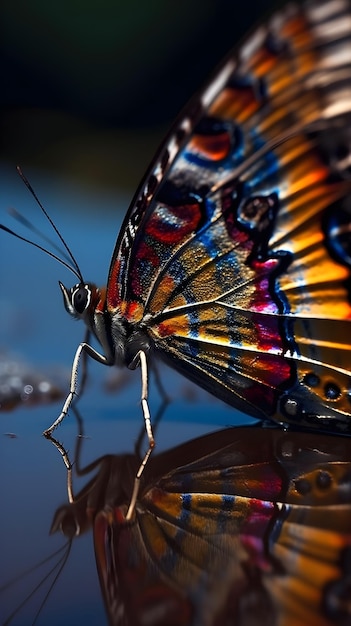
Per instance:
{"type": "Point", "coordinates": [234, 258]}
{"type": "Point", "coordinates": [252, 528]}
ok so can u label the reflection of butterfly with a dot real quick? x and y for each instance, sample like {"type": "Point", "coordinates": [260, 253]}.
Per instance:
{"type": "Point", "coordinates": [233, 261]}
{"type": "Point", "coordinates": [244, 526]}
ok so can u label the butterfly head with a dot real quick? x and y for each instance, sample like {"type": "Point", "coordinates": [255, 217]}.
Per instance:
{"type": "Point", "coordinates": [82, 300]}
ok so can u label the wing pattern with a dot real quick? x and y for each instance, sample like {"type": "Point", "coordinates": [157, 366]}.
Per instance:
{"type": "Point", "coordinates": [234, 258]}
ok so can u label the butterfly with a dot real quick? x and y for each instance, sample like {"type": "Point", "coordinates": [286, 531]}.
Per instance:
{"type": "Point", "coordinates": [245, 525]}
{"type": "Point", "coordinates": [233, 263]}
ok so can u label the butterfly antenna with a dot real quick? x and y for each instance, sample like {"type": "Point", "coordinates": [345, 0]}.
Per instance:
{"type": "Point", "coordinates": [77, 271]}
{"type": "Point", "coordinates": [25, 222]}
{"type": "Point", "coordinates": [36, 245]}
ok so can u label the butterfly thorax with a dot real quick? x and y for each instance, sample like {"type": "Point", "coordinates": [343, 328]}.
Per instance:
{"type": "Point", "coordinates": [121, 341]}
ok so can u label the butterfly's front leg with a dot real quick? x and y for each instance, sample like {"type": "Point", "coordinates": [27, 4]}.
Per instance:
{"type": "Point", "coordinates": [89, 351]}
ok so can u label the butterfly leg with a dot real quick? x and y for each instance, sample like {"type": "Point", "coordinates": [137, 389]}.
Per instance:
{"type": "Point", "coordinates": [147, 420]}
{"type": "Point", "coordinates": [89, 351]}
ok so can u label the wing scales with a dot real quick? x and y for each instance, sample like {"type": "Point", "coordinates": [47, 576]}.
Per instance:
{"type": "Point", "coordinates": [237, 264]}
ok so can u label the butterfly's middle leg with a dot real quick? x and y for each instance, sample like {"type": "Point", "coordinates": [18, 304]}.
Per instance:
{"type": "Point", "coordinates": [148, 428]}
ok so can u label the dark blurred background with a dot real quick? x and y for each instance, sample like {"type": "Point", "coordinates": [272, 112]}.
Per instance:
{"type": "Point", "coordinates": [88, 88]}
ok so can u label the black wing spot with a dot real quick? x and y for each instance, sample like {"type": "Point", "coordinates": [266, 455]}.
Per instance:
{"type": "Point", "coordinates": [332, 391]}
{"type": "Point", "coordinates": [311, 379]}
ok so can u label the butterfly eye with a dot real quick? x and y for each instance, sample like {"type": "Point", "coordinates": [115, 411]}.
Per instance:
{"type": "Point", "coordinates": [81, 299]}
